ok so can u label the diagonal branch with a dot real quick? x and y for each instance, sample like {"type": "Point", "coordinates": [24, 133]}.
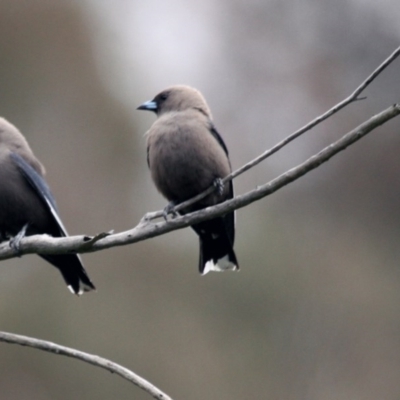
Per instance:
{"type": "Point", "coordinates": [44, 244]}
{"type": "Point", "coordinates": [88, 358]}
{"type": "Point", "coordinates": [350, 99]}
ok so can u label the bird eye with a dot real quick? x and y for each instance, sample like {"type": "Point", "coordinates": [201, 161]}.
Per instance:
{"type": "Point", "coordinates": [163, 96]}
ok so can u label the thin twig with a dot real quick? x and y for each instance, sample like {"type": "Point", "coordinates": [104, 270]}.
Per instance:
{"type": "Point", "coordinates": [88, 358]}
{"type": "Point", "coordinates": [350, 99]}
{"type": "Point", "coordinates": [44, 244]}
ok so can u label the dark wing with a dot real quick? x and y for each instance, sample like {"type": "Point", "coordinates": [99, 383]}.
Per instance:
{"type": "Point", "coordinates": [41, 188]}
{"type": "Point", "coordinates": [70, 265]}
{"type": "Point", "coordinates": [218, 137]}
{"type": "Point", "coordinates": [148, 157]}
{"type": "Point", "coordinates": [229, 219]}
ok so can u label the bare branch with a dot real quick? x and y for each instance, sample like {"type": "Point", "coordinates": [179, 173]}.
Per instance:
{"type": "Point", "coordinates": [350, 99]}
{"type": "Point", "coordinates": [45, 244]}
{"type": "Point", "coordinates": [88, 358]}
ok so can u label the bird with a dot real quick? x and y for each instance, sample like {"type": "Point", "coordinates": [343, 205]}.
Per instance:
{"type": "Point", "coordinates": [27, 206]}
{"type": "Point", "coordinates": [186, 155]}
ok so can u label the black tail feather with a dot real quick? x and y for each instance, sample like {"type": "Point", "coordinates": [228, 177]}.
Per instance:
{"type": "Point", "coordinates": [216, 247]}
{"type": "Point", "coordinates": [218, 252]}
{"type": "Point", "coordinates": [72, 270]}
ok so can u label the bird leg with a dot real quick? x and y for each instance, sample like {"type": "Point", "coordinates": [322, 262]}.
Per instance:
{"type": "Point", "coordinates": [219, 185]}
{"type": "Point", "coordinates": [169, 209]}
{"type": "Point", "coordinates": [16, 240]}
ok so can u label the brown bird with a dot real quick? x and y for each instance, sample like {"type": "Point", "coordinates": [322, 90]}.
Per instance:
{"type": "Point", "coordinates": [27, 206]}
{"type": "Point", "coordinates": [186, 155]}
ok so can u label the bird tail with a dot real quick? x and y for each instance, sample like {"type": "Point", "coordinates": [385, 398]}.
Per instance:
{"type": "Point", "coordinates": [72, 270]}
{"type": "Point", "coordinates": [216, 249]}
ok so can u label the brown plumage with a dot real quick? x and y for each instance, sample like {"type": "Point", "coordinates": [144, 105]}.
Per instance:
{"type": "Point", "coordinates": [186, 155]}
{"type": "Point", "coordinates": [28, 207]}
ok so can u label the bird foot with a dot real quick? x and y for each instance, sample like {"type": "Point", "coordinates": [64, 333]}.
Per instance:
{"type": "Point", "coordinates": [219, 185]}
{"type": "Point", "coordinates": [15, 242]}
{"type": "Point", "coordinates": [169, 209]}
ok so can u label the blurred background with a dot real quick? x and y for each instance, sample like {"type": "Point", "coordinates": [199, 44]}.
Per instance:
{"type": "Point", "coordinates": [314, 312]}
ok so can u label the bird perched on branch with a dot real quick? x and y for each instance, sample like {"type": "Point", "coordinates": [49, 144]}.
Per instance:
{"type": "Point", "coordinates": [186, 155]}
{"type": "Point", "coordinates": [27, 206]}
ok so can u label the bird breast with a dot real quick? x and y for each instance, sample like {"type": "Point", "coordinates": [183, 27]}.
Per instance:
{"type": "Point", "coordinates": [184, 157]}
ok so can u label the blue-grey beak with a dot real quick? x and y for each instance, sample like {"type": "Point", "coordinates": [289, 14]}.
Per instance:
{"type": "Point", "coordinates": [150, 105]}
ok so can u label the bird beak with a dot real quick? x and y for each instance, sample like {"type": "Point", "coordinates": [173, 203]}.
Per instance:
{"type": "Point", "coordinates": [149, 106]}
